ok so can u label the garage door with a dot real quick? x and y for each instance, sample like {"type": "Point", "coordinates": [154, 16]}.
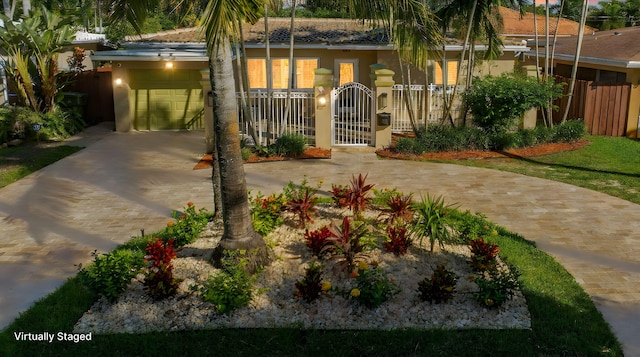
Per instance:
{"type": "Point", "coordinates": [164, 99]}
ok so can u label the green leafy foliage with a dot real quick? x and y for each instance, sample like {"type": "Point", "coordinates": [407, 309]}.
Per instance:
{"type": "Point", "coordinates": [230, 288]}
{"type": "Point", "coordinates": [469, 226]}
{"type": "Point", "coordinates": [496, 102]}
{"type": "Point", "coordinates": [310, 287]}
{"type": "Point", "coordinates": [569, 131]}
{"type": "Point", "coordinates": [111, 273]}
{"type": "Point", "coordinates": [431, 220]}
{"type": "Point", "coordinates": [301, 200]}
{"type": "Point", "coordinates": [159, 279]}
{"type": "Point", "coordinates": [373, 286]}
{"type": "Point", "coordinates": [265, 213]}
{"type": "Point", "coordinates": [496, 286]}
{"type": "Point", "coordinates": [355, 197]}
{"type": "Point", "coordinates": [187, 226]}
{"type": "Point", "coordinates": [440, 287]}
{"type": "Point", "coordinates": [290, 145]}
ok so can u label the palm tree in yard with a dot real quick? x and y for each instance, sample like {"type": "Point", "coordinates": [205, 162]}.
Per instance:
{"type": "Point", "coordinates": [221, 21]}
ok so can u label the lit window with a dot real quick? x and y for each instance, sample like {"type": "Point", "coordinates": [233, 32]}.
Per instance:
{"type": "Point", "coordinates": [452, 73]}
{"type": "Point", "coordinates": [304, 73]}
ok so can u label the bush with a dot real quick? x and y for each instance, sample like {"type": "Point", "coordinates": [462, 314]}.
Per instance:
{"type": "Point", "coordinates": [187, 226]}
{"type": "Point", "coordinates": [265, 213]}
{"type": "Point", "coordinates": [111, 273]}
{"type": "Point", "coordinates": [290, 145]}
{"type": "Point", "coordinates": [374, 287]}
{"type": "Point", "coordinates": [159, 279]}
{"type": "Point", "coordinates": [230, 289]}
{"type": "Point", "coordinates": [440, 287]}
{"type": "Point", "coordinates": [438, 138]}
{"type": "Point", "coordinates": [569, 131]}
{"type": "Point", "coordinates": [405, 145]}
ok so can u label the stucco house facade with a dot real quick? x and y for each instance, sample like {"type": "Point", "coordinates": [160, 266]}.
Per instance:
{"type": "Point", "coordinates": [161, 80]}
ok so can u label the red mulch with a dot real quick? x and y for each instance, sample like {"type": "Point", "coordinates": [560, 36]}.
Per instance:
{"type": "Point", "coordinates": [538, 150]}
{"type": "Point", "coordinates": [309, 153]}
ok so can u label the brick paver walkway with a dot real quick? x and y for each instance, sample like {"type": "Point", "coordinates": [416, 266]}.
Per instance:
{"type": "Point", "coordinates": [120, 183]}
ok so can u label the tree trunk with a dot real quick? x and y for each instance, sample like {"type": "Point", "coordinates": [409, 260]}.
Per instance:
{"type": "Point", "coordinates": [267, 42]}
{"type": "Point", "coordinates": [215, 170]}
{"type": "Point", "coordinates": [238, 228]}
{"type": "Point", "coordinates": [6, 4]}
{"type": "Point", "coordinates": [287, 111]}
{"type": "Point", "coordinates": [574, 70]}
{"type": "Point", "coordinates": [26, 7]}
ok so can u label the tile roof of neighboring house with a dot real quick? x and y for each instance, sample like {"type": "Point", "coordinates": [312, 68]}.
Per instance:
{"type": "Point", "coordinates": [329, 31]}
{"type": "Point", "coordinates": [615, 47]}
{"type": "Point", "coordinates": [514, 25]}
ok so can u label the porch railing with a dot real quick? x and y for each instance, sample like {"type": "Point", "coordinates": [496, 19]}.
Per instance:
{"type": "Point", "coordinates": [427, 103]}
{"type": "Point", "coordinates": [270, 121]}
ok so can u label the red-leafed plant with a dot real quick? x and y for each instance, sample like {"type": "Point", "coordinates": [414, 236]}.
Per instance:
{"type": "Point", "coordinates": [355, 197]}
{"type": "Point", "coordinates": [483, 255]}
{"type": "Point", "coordinates": [347, 244]}
{"type": "Point", "coordinates": [302, 204]}
{"type": "Point", "coordinates": [399, 208]}
{"type": "Point", "coordinates": [398, 241]}
{"type": "Point", "coordinates": [159, 279]}
{"type": "Point", "coordinates": [317, 240]}
{"type": "Point", "coordinates": [310, 287]}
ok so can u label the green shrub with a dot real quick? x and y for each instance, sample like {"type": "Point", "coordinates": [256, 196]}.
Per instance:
{"type": "Point", "coordinates": [187, 226]}
{"type": "Point", "coordinates": [437, 138]}
{"type": "Point", "coordinates": [111, 273]}
{"type": "Point", "coordinates": [569, 131]}
{"type": "Point", "coordinates": [431, 220]}
{"type": "Point", "coordinates": [525, 138]}
{"type": "Point", "coordinates": [374, 287]}
{"type": "Point", "coordinates": [543, 134]}
{"type": "Point", "coordinates": [501, 141]}
{"type": "Point", "coordinates": [265, 212]}
{"type": "Point", "coordinates": [405, 145]}
{"type": "Point", "coordinates": [440, 287]}
{"type": "Point", "coordinates": [230, 289]}
{"type": "Point", "coordinates": [496, 286]}
{"type": "Point", "coordinates": [290, 145]}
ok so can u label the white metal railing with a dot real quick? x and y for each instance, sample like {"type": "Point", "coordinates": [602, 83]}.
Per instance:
{"type": "Point", "coordinates": [270, 120]}
{"type": "Point", "coordinates": [427, 104]}
{"type": "Point", "coordinates": [4, 94]}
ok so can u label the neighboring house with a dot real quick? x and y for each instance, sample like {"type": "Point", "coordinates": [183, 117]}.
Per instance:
{"type": "Point", "coordinates": [161, 78]}
{"type": "Point", "coordinates": [608, 92]}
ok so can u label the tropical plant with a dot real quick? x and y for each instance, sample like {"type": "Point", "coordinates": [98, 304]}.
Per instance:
{"type": "Point", "coordinates": [346, 244]}
{"type": "Point", "coordinates": [483, 255]}
{"type": "Point", "coordinates": [231, 287]}
{"type": "Point", "coordinates": [265, 212]}
{"type": "Point", "coordinates": [399, 208]}
{"type": "Point", "coordinates": [300, 200]}
{"type": "Point", "coordinates": [310, 287]}
{"type": "Point", "coordinates": [317, 240]}
{"type": "Point", "coordinates": [431, 220]}
{"type": "Point", "coordinates": [290, 144]}
{"type": "Point", "coordinates": [355, 197]}
{"type": "Point", "coordinates": [397, 240]}
{"type": "Point", "coordinates": [496, 286]}
{"type": "Point", "coordinates": [159, 279]}
{"type": "Point", "coordinates": [373, 286]}
{"type": "Point", "coordinates": [33, 45]}
{"type": "Point", "coordinates": [440, 287]}
{"type": "Point", "coordinates": [111, 273]}
{"type": "Point", "coordinates": [187, 225]}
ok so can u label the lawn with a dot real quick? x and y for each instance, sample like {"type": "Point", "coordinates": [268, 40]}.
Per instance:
{"type": "Point", "coordinates": [610, 165]}
{"type": "Point", "coordinates": [20, 161]}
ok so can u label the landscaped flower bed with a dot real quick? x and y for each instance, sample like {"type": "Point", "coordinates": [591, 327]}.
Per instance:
{"type": "Point", "coordinates": [362, 277]}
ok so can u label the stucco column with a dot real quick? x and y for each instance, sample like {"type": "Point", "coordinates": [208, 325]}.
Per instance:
{"type": "Point", "coordinates": [530, 118]}
{"type": "Point", "coordinates": [121, 106]}
{"type": "Point", "coordinates": [207, 95]}
{"type": "Point", "coordinates": [383, 83]}
{"type": "Point", "coordinates": [322, 85]}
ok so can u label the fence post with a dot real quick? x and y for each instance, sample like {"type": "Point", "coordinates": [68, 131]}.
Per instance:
{"type": "Point", "coordinates": [322, 86]}
{"type": "Point", "coordinates": [383, 85]}
{"type": "Point", "coordinates": [121, 102]}
{"type": "Point", "coordinates": [207, 95]}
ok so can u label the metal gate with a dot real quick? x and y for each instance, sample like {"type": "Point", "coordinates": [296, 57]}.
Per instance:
{"type": "Point", "coordinates": [351, 115]}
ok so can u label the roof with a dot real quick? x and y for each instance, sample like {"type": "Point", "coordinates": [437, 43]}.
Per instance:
{"type": "Point", "coordinates": [618, 48]}
{"type": "Point", "coordinates": [514, 25]}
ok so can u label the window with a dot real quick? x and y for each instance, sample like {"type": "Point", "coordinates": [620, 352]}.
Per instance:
{"type": "Point", "coordinates": [303, 74]}
{"type": "Point", "coordinates": [451, 73]}
{"type": "Point", "coordinates": [346, 70]}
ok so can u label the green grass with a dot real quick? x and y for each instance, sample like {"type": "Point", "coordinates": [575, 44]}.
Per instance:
{"type": "Point", "coordinates": [18, 162]}
{"type": "Point", "coordinates": [609, 165]}
{"type": "Point", "coordinates": [564, 322]}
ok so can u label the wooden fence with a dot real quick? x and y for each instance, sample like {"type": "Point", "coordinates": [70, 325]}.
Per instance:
{"type": "Point", "coordinates": [98, 86]}
{"type": "Point", "coordinates": [603, 106]}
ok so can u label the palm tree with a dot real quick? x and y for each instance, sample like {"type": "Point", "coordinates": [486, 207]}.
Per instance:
{"type": "Point", "coordinates": [220, 21]}
{"type": "Point", "coordinates": [576, 59]}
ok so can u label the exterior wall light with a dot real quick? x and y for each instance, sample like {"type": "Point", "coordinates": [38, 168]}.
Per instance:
{"type": "Point", "coordinates": [168, 65]}
{"type": "Point", "coordinates": [321, 98]}
{"type": "Point", "coordinates": [118, 82]}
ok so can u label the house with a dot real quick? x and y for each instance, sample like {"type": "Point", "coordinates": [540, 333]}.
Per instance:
{"type": "Point", "coordinates": [161, 80]}
{"type": "Point", "coordinates": [607, 94]}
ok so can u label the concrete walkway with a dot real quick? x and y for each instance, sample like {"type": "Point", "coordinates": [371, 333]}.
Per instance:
{"type": "Point", "coordinates": [120, 183]}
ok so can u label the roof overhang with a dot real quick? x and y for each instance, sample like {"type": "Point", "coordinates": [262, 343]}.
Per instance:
{"type": "Point", "coordinates": [594, 60]}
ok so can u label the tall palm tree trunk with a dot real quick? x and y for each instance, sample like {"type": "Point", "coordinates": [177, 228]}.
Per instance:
{"type": "Point", "coordinates": [287, 111]}
{"type": "Point", "coordinates": [236, 212]}
{"type": "Point", "coordinates": [267, 43]}
{"type": "Point", "coordinates": [576, 60]}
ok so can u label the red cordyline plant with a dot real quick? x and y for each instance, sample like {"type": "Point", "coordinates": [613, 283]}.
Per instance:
{"type": "Point", "coordinates": [159, 279]}
{"type": "Point", "coordinates": [483, 255]}
{"type": "Point", "coordinates": [317, 240]}
{"type": "Point", "coordinates": [302, 204]}
{"type": "Point", "coordinates": [399, 208]}
{"type": "Point", "coordinates": [398, 241]}
{"type": "Point", "coordinates": [355, 196]}
{"type": "Point", "coordinates": [346, 243]}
